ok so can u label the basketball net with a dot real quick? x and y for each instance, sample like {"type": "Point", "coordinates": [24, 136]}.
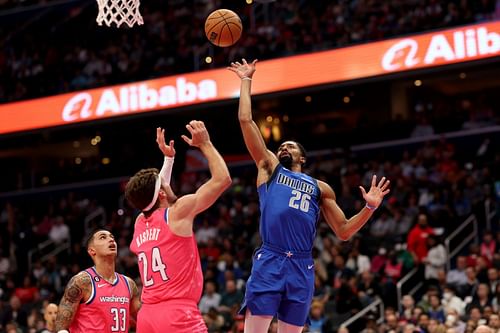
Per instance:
{"type": "Point", "coordinates": [119, 12]}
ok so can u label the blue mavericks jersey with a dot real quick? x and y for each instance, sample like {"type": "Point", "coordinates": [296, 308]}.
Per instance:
{"type": "Point", "coordinates": [289, 208]}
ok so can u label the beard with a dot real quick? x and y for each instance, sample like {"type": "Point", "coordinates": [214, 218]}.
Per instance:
{"type": "Point", "coordinates": [286, 161]}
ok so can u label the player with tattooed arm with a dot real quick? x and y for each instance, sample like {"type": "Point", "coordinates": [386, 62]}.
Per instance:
{"type": "Point", "coordinates": [99, 300]}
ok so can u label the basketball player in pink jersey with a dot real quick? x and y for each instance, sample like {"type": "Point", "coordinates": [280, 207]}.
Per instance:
{"type": "Point", "coordinates": [98, 300]}
{"type": "Point", "coordinates": [165, 245]}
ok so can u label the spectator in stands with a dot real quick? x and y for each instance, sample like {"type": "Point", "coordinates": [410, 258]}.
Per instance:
{"type": "Point", "coordinates": [436, 258]}
{"type": "Point", "coordinates": [436, 311]}
{"type": "Point", "coordinates": [483, 329]}
{"type": "Point", "coordinates": [470, 287]}
{"type": "Point", "coordinates": [453, 321]}
{"type": "Point", "coordinates": [482, 269]}
{"type": "Point", "coordinates": [494, 322]}
{"type": "Point", "coordinates": [49, 315]}
{"type": "Point", "coordinates": [488, 246]}
{"type": "Point", "coordinates": [378, 261]}
{"type": "Point", "coordinates": [390, 324]}
{"type": "Point", "coordinates": [451, 301]}
{"type": "Point", "coordinates": [317, 318]}
{"type": "Point", "coordinates": [435, 326]}
{"type": "Point", "coordinates": [474, 316]}
{"type": "Point", "coordinates": [393, 268]}
{"type": "Point", "coordinates": [214, 320]}
{"type": "Point", "coordinates": [210, 299]}
{"type": "Point", "coordinates": [403, 224]}
{"type": "Point", "coordinates": [458, 276]}
{"type": "Point", "coordinates": [205, 232]}
{"type": "Point", "coordinates": [425, 301]}
{"type": "Point", "coordinates": [28, 292]}
{"type": "Point", "coordinates": [14, 313]}
{"type": "Point", "coordinates": [59, 231]}
{"type": "Point", "coordinates": [417, 238]}
{"type": "Point", "coordinates": [368, 288]}
{"type": "Point", "coordinates": [358, 262]}
{"type": "Point", "coordinates": [231, 297]}
{"type": "Point", "coordinates": [4, 265]}
{"type": "Point", "coordinates": [338, 272]}
{"type": "Point", "coordinates": [408, 304]}
{"type": "Point", "coordinates": [423, 128]}
{"type": "Point", "coordinates": [384, 226]}
{"type": "Point", "coordinates": [480, 299]}
{"type": "Point", "coordinates": [496, 299]}
{"type": "Point", "coordinates": [404, 256]}
{"type": "Point", "coordinates": [423, 322]}
{"type": "Point", "coordinates": [493, 279]}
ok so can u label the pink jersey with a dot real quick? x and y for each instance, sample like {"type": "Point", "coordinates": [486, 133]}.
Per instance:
{"type": "Point", "coordinates": [169, 264]}
{"type": "Point", "coordinates": [107, 309]}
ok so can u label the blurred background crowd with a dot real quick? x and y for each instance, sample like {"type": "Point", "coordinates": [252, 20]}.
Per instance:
{"type": "Point", "coordinates": [438, 179]}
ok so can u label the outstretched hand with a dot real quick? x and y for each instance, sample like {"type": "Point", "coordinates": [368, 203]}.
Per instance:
{"type": "Point", "coordinates": [244, 69]}
{"type": "Point", "coordinates": [377, 191]}
{"type": "Point", "coordinates": [169, 150]}
{"type": "Point", "coordinates": [199, 133]}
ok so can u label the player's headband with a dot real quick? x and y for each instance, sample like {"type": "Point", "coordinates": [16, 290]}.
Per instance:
{"type": "Point", "coordinates": [155, 195]}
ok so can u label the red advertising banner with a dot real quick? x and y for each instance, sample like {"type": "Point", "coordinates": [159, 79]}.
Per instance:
{"type": "Point", "coordinates": [439, 48]}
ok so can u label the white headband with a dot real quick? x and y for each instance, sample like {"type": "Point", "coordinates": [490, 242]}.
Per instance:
{"type": "Point", "coordinates": [155, 195]}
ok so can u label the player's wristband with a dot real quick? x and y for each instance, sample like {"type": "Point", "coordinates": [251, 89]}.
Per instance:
{"type": "Point", "coordinates": [246, 78]}
{"type": "Point", "coordinates": [166, 170]}
{"type": "Point", "coordinates": [371, 208]}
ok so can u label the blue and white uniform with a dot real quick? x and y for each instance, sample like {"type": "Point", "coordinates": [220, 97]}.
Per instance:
{"type": "Point", "coordinates": [282, 278]}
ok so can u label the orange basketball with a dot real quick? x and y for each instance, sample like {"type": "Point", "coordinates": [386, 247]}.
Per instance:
{"type": "Point", "coordinates": [223, 27]}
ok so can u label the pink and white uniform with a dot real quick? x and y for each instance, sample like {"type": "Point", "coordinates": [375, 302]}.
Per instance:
{"type": "Point", "coordinates": [107, 309]}
{"type": "Point", "coordinates": [171, 276]}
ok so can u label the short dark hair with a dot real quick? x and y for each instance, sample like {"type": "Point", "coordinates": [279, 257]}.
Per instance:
{"type": "Point", "coordinates": [141, 187]}
{"type": "Point", "coordinates": [90, 237]}
{"type": "Point", "coordinates": [302, 149]}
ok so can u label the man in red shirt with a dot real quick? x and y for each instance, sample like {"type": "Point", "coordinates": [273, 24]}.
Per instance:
{"type": "Point", "coordinates": [417, 238]}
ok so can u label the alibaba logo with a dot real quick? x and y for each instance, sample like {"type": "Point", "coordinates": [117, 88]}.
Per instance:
{"type": "Point", "coordinates": [442, 48]}
{"type": "Point", "coordinates": [136, 98]}
{"type": "Point", "coordinates": [405, 50]}
{"type": "Point", "coordinates": [80, 102]}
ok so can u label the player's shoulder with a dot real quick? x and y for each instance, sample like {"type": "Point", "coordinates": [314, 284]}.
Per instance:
{"type": "Point", "coordinates": [80, 284]}
{"type": "Point", "coordinates": [139, 217]}
{"type": "Point", "coordinates": [325, 189]}
{"type": "Point", "coordinates": [82, 277]}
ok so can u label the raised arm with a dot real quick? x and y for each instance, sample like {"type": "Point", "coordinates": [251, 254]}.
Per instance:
{"type": "Point", "coordinates": [168, 163]}
{"type": "Point", "coordinates": [251, 133]}
{"type": "Point", "coordinates": [186, 207]}
{"type": "Point", "coordinates": [78, 289]}
{"type": "Point", "coordinates": [345, 228]}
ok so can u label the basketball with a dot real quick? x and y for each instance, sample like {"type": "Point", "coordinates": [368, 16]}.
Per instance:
{"type": "Point", "coordinates": [223, 27]}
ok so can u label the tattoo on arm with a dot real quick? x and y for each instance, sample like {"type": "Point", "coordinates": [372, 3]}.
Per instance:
{"type": "Point", "coordinates": [135, 303]}
{"type": "Point", "coordinates": [77, 288]}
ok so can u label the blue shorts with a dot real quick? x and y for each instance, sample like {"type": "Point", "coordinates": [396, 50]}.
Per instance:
{"type": "Point", "coordinates": [282, 283]}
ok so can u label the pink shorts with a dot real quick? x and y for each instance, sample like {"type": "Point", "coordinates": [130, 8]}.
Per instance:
{"type": "Point", "coordinates": [171, 316]}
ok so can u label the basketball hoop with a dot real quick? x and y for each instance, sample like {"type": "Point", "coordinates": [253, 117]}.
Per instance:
{"type": "Point", "coordinates": [119, 12]}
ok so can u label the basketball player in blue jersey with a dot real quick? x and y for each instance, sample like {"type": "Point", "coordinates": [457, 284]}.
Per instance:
{"type": "Point", "coordinates": [282, 278]}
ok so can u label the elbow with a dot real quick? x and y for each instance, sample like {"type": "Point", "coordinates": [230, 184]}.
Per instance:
{"type": "Point", "coordinates": [225, 182]}
{"type": "Point", "coordinates": [343, 236]}
{"type": "Point", "coordinates": [245, 119]}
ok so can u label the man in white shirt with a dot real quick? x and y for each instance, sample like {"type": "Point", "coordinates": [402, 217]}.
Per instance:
{"type": "Point", "coordinates": [210, 298]}
{"type": "Point", "coordinates": [59, 231]}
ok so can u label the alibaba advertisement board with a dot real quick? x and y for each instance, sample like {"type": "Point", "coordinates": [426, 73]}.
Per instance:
{"type": "Point", "coordinates": [439, 48]}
